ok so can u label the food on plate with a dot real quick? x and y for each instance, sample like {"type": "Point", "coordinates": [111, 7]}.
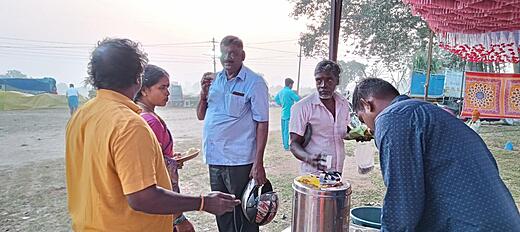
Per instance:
{"type": "Point", "coordinates": [321, 180]}
{"type": "Point", "coordinates": [309, 180]}
{"type": "Point", "coordinates": [188, 155]}
{"type": "Point", "coordinates": [359, 133]}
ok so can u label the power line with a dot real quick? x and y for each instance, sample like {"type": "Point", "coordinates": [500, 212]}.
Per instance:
{"type": "Point", "coordinates": [145, 45]}
{"type": "Point", "coordinates": [178, 61]}
{"type": "Point", "coordinates": [28, 53]}
{"type": "Point", "coordinates": [37, 46]}
{"type": "Point", "coordinates": [273, 58]}
{"type": "Point", "coordinates": [92, 44]}
{"type": "Point", "coordinates": [173, 55]}
{"type": "Point", "coordinates": [275, 41]}
{"type": "Point", "coordinates": [179, 46]}
{"type": "Point", "coordinates": [42, 58]}
{"type": "Point", "coordinates": [269, 49]}
{"type": "Point", "coordinates": [82, 50]}
{"type": "Point", "coordinates": [86, 55]}
{"type": "Point", "coordinates": [89, 47]}
{"type": "Point", "coordinates": [8, 53]}
{"type": "Point", "coordinates": [80, 56]}
{"type": "Point", "coordinates": [45, 50]}
{"type": "Point", "coordinates": [175, 44]}
{"type": "Point", "coordinates": [71, 53]}
{"type": "Point", "coordinates": [43, 41]}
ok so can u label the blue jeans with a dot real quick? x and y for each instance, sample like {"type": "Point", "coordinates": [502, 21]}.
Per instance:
{"type": "Point", "coordinates": [285, 133]}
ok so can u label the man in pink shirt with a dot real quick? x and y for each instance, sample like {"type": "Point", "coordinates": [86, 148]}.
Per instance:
{"type": "Point", "coordinates": [328, 114]}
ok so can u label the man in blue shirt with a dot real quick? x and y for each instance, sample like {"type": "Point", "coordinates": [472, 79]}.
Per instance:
{"type": "Point", "coordinates": [439, 174]}
{"type": "Point", "coordinates": [72, 98]}
{"type": "Point", "coordinates": [235, 110]}
{"type": "Point", "coordinates": [286, 98]}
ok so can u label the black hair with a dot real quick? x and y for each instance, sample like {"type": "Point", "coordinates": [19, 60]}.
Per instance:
{"type": "Point", "coordinates": [71, 85]}
{"type": "Point", "coordinates": [152, 75]}
{"type": "Point", "coordinates": [116, 64]}
{"type": "Point", "coordinates": [207, 74]}
{"type": "Point", "coordinates": [232, 40]}
{"type": "Point", "coordinates": [328, 66]}
{"type": "Point", "coordinates": [288, 81]}
{"type": "Point", "coordinates": [374, 87]}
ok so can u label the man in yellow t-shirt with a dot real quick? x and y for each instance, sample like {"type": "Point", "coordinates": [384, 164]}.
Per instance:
{"type": "Point", "coordinates": [116, 178]}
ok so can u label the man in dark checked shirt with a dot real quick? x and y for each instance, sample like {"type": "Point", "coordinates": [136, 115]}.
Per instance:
{"type": "Point", "coordinates": [439, 174]}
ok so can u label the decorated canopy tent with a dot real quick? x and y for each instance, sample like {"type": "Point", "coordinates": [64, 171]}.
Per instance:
{"type": "Point", "coordinates": [476, 30]}
{"type": "Point", "coordinates": [480, 31]}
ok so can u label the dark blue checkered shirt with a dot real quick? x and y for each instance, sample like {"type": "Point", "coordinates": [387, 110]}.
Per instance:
{"type": "Point", "coordinates": [439, 174]}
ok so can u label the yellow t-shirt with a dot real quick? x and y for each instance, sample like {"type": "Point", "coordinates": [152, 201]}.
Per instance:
{"type": "Point", "coordinates": [111, 152]}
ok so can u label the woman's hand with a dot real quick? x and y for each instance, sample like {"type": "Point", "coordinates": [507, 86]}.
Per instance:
{"type": "Point", "coordinates": [177, 155]}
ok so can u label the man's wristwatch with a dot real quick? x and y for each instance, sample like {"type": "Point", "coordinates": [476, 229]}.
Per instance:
{"type": "Point", "coordinates": [180, 220]}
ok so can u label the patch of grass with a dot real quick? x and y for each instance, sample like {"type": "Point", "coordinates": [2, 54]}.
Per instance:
{"type": "Point", "coordinates": [284, 215]}
{"type": "Point", "coordinates": [494, 135]}
{"type": "Point", "coordinates": [509, 166]}
{"type": "Point", "coordinates": [33, 197]}
{"type": "Point", "coordinates": [373, 192]}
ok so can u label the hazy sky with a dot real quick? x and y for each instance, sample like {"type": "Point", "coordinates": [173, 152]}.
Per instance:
{"type": "Point", "coordinates": [54, 37]}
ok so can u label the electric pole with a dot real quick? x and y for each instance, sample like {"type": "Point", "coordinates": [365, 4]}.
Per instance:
{"type": "Point", "coordinates": [299, 68]}
{"type": "Point", "coordinates": [214, 56]}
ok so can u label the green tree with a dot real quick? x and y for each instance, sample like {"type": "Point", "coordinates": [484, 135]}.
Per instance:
{"type": "Point", "coordinates": [354, 71]}
{"type": "Point", "coordinates": [385, 29]}
{"type": "Point", "coordinates": [351, 71]}
{"type": "Point", "coordinates": [420, 62]}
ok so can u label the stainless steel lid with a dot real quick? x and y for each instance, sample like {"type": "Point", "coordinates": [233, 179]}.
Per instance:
{"type": "Point", "coordinates": [339, 191]}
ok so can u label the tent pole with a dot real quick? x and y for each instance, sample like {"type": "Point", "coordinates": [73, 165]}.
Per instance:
{"type": "Point", "coordinates": [429, 68]}
{"type": "Point", "coordinates": [335, 21]}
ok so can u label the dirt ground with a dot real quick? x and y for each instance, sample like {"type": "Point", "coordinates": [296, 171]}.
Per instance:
{"type": "Point", "coordinates": [33, 193]}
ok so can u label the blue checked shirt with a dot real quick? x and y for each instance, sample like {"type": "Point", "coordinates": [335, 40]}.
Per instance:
{"type": "Point", "coordinates": [439, 174]}
{"type": "Point", "coordinates": [234, 108]}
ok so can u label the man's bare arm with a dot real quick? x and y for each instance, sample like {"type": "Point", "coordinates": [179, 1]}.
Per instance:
{"type": "Point", "coordinates": [157, 200]}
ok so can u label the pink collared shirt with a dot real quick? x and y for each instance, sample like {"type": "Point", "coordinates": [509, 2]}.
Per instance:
{"type": "Point", "coordinates": [327, 131]}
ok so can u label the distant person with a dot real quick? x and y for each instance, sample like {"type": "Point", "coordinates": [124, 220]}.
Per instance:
{"type": "Point", "coordinates": [72, 98]}
{"type": "Point", "coordinates": [327, 113]}
{"type": "Point", "coordinates": [116, 177]}
{"type": "Point", "coordinates": [286, 98]}
{"type": "Point", "coordinates": [235, 109]}
{"type": "Point", "coordinates": [154, 92]}
{"type": "Point", "coordinates": [439, 174]}
{"type": "Point", "coordinates": [474, 122]}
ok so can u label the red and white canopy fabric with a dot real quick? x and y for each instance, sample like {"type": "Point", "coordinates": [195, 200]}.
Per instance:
{"type": "Point", "coordinates": [492, 47]}
{"type": "Point", "coordinates": [476, 30]}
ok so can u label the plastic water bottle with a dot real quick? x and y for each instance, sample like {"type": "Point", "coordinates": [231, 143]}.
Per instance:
{"type": "Point", "coordinates": [364, 155]}
{"type": "Point", "coordinates": [508, 146]}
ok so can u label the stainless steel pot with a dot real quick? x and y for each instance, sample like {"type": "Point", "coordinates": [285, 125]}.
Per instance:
{"type": "Point", "coordinates": [320, 210]}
